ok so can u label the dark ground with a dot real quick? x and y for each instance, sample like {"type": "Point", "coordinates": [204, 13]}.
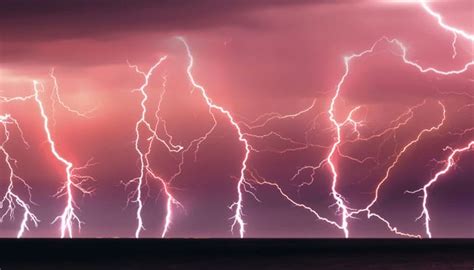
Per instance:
{"type": "Point", "coordinates": [236, 254]}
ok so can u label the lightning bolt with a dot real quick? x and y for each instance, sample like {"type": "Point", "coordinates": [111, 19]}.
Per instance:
{"type": "Point", "coordinates": [338, 125]}
{"type": "Point", "coordinates": [145, 167]}
{"type": "Point", "coordinates": [261, 181]}
{"type": "Point", "coordinates": [440, 20]}
{"type": "Point", "coordinates": [344, 131]}
{"type": "Point", "coordinates": [455, 31]}
{"type": "Point", "coordinates": [340, 201]}
{"type": "Point", "coordinates": [263, 121]}
{"type": "Point", "coordinates": [449, 163]}
{"type": "Point", "coordinates": [253, 130]}
{"type": "Point", "coordinates": [242, 184]}
{"type": "Point", "coordinates": [56, 98]}
{"type": "Point", "coordinates": [237, 205]}
{"type": "Point", "coordinates": [389, 170]}
{"type": "Point", "coordinates": [10, 198]}
{"type": "Point", "coordinates": [74, 180]}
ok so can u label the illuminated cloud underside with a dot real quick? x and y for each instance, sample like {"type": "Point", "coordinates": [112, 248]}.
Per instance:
{"type": "Point", "coordinates": [338, 119]}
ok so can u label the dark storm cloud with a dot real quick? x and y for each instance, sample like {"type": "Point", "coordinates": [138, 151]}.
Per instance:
{"type": "Point", "coordinates": [57, 19]}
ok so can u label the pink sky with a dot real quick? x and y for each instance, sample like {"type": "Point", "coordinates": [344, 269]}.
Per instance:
{"type": "Point", "coordinates": [253, 58]}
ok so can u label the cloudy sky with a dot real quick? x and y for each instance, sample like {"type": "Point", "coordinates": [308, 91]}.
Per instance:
{"type": "Point", "coordinates": [253, 57]}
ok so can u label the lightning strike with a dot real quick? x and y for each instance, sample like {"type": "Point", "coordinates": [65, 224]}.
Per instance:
{"type": "Point", "coordinates": [237, 205]}
{"type": "Point", "coordinates": [440, 20]}
{"type": "Point", "coordinates": [344, 131]}
{"type": "Point", "coordinates": [11, 199]}
{"type": "Point", "coordinates": [449, 163]}
{"type": "Point", "coordinates": [56, 98]}
{"type": "Point", "coordinates": [338, 125]}
{"type": "Point", "coordinates": [145, 167]}
{"type": "Point", "coordinates": [73, 181]}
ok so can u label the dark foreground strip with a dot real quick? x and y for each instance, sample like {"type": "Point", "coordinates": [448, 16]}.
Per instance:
{"type": "Point", "coordinates": [236, 254]}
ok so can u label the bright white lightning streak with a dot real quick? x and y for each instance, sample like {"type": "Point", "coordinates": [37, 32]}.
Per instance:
{"type": "Point", "coordinates": [238, 219]}
{"type": "Point", "coordinates": [440, 20]}
{"type": "Point", "coordinates": [73, 180]}
{"type": "Point", "coordinates": [259, 180]}
{"type": "Point", "coordinates": [265, 119]}
{"type": "Point", "coordinates": [455, 31]}
{"type": "Point", "coordinates": [268, 117]}
{"type": "Point", "coordinates": [55, 97]}
{"type": "Point", "coordinates": [428, 69]}
{"type": "Point", "coordinates": [367, 209]}
{"type": "Point", "coordinates": [450, 162]}
{"type": "Point", "coordinates": [453, 45]}
{"type": "Point", "coordinates": [144, 162]}
{"type": "Point", "coordinates": [11, 199]}
{"type": "Point", "coordinates": [403, 151]}
{"type": "Point", "coordinates": [397, 123]}
{"type": "Point", "coordinates": [11, 99]}
{"type": "Point", "coordinates": [241, 187]}
{"type": "Point", "coordinates": [170, 200]}
{"type": "Point", "coordinates": [347, 60]}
